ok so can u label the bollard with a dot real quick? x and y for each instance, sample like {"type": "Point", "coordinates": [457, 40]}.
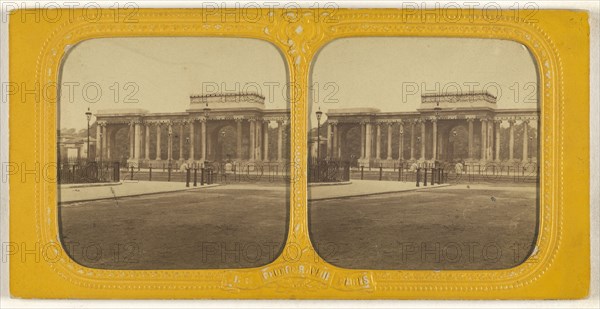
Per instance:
{"type": "Point", "coordinates": [202, 176]}
{"type": "Point", "coordinates": [150, 174]}
{"type": "Point", "coordinates": [169, 170]}
{"type": "Point", "coordinates": [399, 173]}
{"type": "Point", "coordinates": [117, 172]}
{"type": "Point", "coordinates": [380, 172]}
{"type": "Point", "coordinates": [433, 170]}
{"type": "Point", "coordinates": [195, 177]}
{"type": "Point", "coordinates": [187, 177]}
{"type": "Point", "coordinates": [131, 178]}
{"type": "Point", "coordinates": [418, 176]}
{"type": "Point", "coordinates": [440, 175]}
{"type": "Point", "coordinates": [425, 178]}
{"type": "Point", "coordinates": [362, 172]}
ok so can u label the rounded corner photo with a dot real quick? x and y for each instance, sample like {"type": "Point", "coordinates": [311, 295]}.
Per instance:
{"type": "Point", "coordinates": [173, 153]}
{"type": "Point", "coordinates": [423, 153]}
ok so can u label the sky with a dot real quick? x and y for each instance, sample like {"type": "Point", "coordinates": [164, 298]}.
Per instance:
{"type": "Point", "coordinates": [391, 73]}
{"type": "Point", "coordinates": [388, 73]}
{"type": "Point", "coordinates": [162, 73]}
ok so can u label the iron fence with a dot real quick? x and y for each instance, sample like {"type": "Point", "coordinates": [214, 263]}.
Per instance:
{"type": "Point", "coordinates": [328, 171]}
{"type": "Point", "coordinates": [516, 172]}
{"type": "Point", "coordinates": [72, 172]}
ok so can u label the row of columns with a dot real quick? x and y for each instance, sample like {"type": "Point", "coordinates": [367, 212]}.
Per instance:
{"type": "Point", "coordinates": [138, 140]}
{"type": "Point", "coordinates": [490, 139]}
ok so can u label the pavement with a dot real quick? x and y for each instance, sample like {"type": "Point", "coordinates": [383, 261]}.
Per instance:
{"type": "Point", "coordinates": [80, 193]}
{"type": "Point", "coordinates": [363, 188]}
{"type": "Point", "coordinates": [353, 188]}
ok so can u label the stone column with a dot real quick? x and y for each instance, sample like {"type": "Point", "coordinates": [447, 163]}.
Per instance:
{"type": "Point", "coordinates": [490, 138]}
{"type": "Point", "coordinates": [511, 139]}
{"type": "Point", "coordinates": [525, 139]}
{"type": "Point", "coordinates": [378, 142]}
{"type": "Point", "coordinates": [131, 141]}
{"type": "Point", "coordinates": [335, 151]}
{"type": "Point", "coordinates": [252, 139]}
{"type": "Point", "coordinates": [98, 141]}
{"type": "Point", "coordinates": [103, 138]}
{"type": "Point", "coordinates": [170, 142]}
{"type": "Point", "coordinates": [266, 140]}
{"type": "Point", "coordinates": [401, 141]}
{"type": "Point", "coordinates": [158, 150]}
{"type": "Point", "coordinates": [470, 141]}
{"type": "Point", "coordinates": [412, 140]}
{"type": "Point", "coordinates": [362, 140]}
{"type": "Point", "coordinates": [422, 140]}
{"type": "Point", "coordinates": [434, 135]}
{"type": "Point", "coordinates": [259, 140]}
{"type": "Point", "coordinates": [280, 141]}
{"type": "Point", "coordinates": [497, 129]}
{"type": "Point", "coordinates": [368, 146]}
{"type": "Point", "coordinates": [389, 141]}
{"type": "Point", "coordinates": [203, 139]}
{"type": "Point", "coordinates": [147, 142]}
{"type": "Point", "coordinates": [329, 141]}
{"type": "Point", "coordinates": [192, 144]}
{"type": "Point", "coordinates": [181, 140]}
{"type": "Point", "coordinates": [108, 131]}
{"type": "Point", "coordinates": [238, 122]}
{"type": "Point", "coordinates": [483, 139]}
{"type": "Point", "coordinates": [137, 141]}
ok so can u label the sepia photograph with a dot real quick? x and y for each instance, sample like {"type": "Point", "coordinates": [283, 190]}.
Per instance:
{"type": "Point", "coordinates": [424, 155]}
{"type": "Point", "coordinates": [173, 153]}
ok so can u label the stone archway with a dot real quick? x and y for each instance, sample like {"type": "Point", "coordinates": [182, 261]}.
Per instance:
{"type": "Point", "coordinates": [118, 139]}
{"type": "Point", "coordinates": [222, 141]}
{"type": "Point", "coordinates": [350, 143]}
{"type": "Point", "coordinates": [457, 143]}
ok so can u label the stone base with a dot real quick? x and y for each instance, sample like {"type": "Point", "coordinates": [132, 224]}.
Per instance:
{"type": "Point", "coordinates": [133, 162]}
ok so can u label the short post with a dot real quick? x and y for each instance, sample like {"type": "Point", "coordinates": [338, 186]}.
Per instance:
{"type": "Point", "coordinates": [380, 172]}
{"type": "Point", "coordinates": [433, 176]}
{"type": "Point", "coordinates": [169, 173]}
{"type": "Point", "coordinates": [202, 176]}
{"type": "Point", "coordinates": [131, 178]}
{"type": "Point", "coordinates": [425, 178]}
{"type": "Point", "coordinates": [187, 177]}
{"type": "Point", "coordinates": [195, 177]}
{"type": "Point", "coordinates": [150, 173]}
{"type": "Point", "coordinates": [418, 176]}
{"type": "Point", "coordinates": [117, 172]}
{"type": "Point", "coordinates": [362, 172]}
{"type": "Point", "coordinates": [400, 173]}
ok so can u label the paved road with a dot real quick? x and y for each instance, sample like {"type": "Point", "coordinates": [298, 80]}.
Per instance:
{"type": "Point", "coordinates": [217, 227]}
{"type": "Point", "coordinates": [457, 227]}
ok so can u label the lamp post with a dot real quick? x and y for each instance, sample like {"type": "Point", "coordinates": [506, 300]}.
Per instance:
{"type": "Point", "coordinates": [529, 149]}
{"type": "Point", "coordinates": [401, 154]}
{"type": "Point", "coordinates": [319, 113]}
{"type": "Point", "coordinates": [437, 110]}
{"type": "Point", "coordinates": [206, 114]}
{"type": "Point", "coordinates": [170, 145]}
{"type": "Point", "coordinates": [222, 144]}
{"type": "Point", "coordinates": [88, 115]}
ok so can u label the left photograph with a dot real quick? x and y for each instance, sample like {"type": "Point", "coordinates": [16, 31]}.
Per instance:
{"type": "Point", "coordinates": [173, 153]}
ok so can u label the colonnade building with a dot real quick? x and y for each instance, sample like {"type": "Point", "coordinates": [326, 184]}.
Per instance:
{"type": "Point", "coordinates": [447, 128]}
{"type": "Point", "coordinates": [198, 131]}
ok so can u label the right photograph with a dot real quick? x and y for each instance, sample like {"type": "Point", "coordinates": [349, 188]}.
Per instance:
{"type": "Point", "coordinates": [423, 153]}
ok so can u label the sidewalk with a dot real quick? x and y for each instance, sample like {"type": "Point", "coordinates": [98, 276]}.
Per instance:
{"type": "Point", "coordinates": [362, 188]}
{"type": "Point", "coordinates": [69, 193]}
